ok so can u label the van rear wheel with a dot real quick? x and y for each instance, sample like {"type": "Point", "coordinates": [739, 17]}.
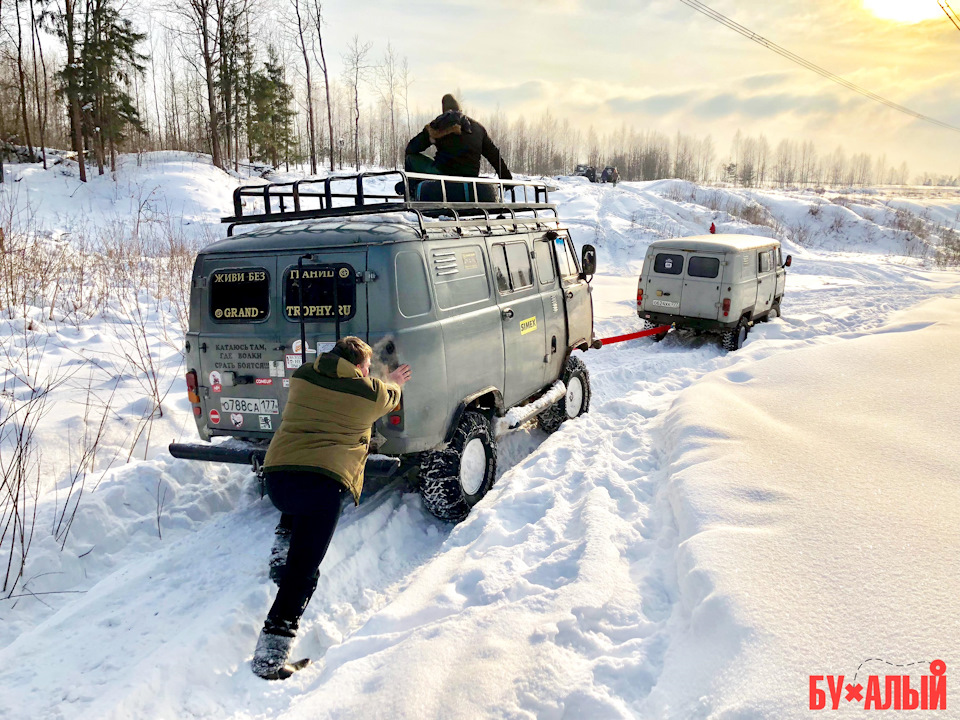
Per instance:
{"type": "Point", "coordinates": [574, 403]}
{"type": "Point", "coordinates": [455, 479]}
{"type": "Point", "coordinates": [647, 325]}
{"type": "Point", "coordinates": [734, 338]}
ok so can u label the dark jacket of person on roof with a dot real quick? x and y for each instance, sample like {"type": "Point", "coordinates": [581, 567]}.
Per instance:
{"type": "Point", "coordinates": [460, 141]}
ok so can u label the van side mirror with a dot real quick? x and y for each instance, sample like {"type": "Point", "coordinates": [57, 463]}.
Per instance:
{"type": "Point", "coordinates": [589, 260]}
{"type": "Point", "coordinates": [788, 261]}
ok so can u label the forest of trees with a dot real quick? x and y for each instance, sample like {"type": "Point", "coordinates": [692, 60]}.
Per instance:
{"type": "Point", "coordinates": [252, 81]}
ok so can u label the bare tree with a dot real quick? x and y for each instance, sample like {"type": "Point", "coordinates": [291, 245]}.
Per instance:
{"type": "Point", "coordinates": [302, 43]}
{"type": "Point", "coordinates": [356, 71]}
{"type": "Point", "coordinates": [211, 24]}
{"type": "Point", "coordinates": [388, 85]}
{"type": "Point", "coordinates": [21, 74]}
{"type": "Point", "coordinates": [317, 17]}
{"type": "Point", "coordinates": [38, 50]}
{"type": "Point", "coordinates": [406, 80]}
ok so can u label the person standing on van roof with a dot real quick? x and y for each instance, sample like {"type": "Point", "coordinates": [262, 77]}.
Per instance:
{"type": "Point", "coordinates": [319, 452]}
{"type": "Point", "coordinates": [460, 142]}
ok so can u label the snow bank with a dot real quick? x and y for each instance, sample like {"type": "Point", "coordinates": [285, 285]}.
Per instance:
{"type": "Point", "coordinates": [816, 495]}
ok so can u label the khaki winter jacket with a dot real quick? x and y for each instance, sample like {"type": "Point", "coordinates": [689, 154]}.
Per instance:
{"type": "Point", "coordinates": [327, 421]}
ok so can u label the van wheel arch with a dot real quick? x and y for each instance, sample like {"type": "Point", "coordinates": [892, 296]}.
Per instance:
{"type": "Point", "coordinates": [488, 402]}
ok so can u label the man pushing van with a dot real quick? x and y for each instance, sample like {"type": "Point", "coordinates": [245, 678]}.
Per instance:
{"type": "Point", "coordinates": [318, 453]}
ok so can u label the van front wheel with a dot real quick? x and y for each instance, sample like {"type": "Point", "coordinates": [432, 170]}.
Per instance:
{"type": "Point", "coordinates": [455, 479]}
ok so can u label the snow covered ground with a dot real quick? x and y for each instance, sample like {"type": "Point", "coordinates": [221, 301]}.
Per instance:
{"type": "Point", "coordinates": [716, 530]}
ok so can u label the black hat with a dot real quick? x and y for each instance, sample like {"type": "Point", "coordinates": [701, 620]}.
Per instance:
{"type": "Point", "coordinates": [449, 102]}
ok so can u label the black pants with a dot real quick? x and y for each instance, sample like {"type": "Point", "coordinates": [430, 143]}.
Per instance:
{"type": "Point", "coordinates": [310, 503]}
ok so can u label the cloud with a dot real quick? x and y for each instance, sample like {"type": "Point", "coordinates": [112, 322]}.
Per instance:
{"type": "Point", "coordinates": [766, 106]}
{"type": "Point", "coordinates": [507, 95]}
{"type": "Point", "coordinates": [764, 81]}
{"type": "Point", "coordinates": [653, 104]}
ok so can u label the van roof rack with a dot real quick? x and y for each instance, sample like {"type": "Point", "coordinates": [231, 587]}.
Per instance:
{"type": "Point", "coordinates": [325, 198]}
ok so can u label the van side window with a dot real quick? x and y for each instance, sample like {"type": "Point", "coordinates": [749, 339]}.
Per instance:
{"type": "Point", "coordinates": [574, 265]}
{"type": "Point", "coordinates": [498, 257]}
{"type": "Point", "coordinates": [459, 276]}
{"type": "Point", "coordinates": [511, 263]}
{"type": "Point", "coordinates": [766, 261]}
{"type": "Point", "coordinates": [518, 260]}
{"type": "Point", "coordinates": [545, 261]}
{"type": "Point", "coordinates": [703, 267]}
{"type": "Point", "coordinates": [668, 264]}
{"type": "Point", "coordinates": [413, 296]}
{"type": "Point", "coordinates": [563, 258]}
{"type": "Point", "coordinates": [239, 295]}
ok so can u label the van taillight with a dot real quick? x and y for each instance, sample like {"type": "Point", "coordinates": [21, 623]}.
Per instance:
{"type": "Point", "coordinates": [726, 306]}
{"type": "Point", "coordinates": [639, 297]}
{"type": "Point", "coordinates": [395, 418]}
{"type": "Point", "coordinates": [192, 386]}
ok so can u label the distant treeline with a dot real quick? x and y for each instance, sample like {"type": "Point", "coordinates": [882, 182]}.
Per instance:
{"type": "Point", "coordinates": [250, 80]}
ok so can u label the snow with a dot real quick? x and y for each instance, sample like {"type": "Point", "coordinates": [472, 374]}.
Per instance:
{"type": "Point", "coordinates": [719, 527]}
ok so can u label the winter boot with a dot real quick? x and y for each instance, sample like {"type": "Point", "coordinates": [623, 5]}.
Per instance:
{"type": "Point", "coordinates": [270, 658]}
{"type": "Point", "coordinates": [279, 552]}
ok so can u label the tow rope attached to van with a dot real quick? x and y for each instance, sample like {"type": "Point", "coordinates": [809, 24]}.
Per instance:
{"type": "Point", "coordinates": [634, 336]}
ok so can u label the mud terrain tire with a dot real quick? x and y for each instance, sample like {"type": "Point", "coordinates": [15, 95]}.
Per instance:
{"type": "Point", "coordinates": [733, 339]}
{"type": "Point", "coordinates": [455, 479]}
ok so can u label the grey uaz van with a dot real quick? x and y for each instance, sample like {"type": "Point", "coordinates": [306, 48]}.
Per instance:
{"type": "Point", "coordinates": [715, 283]}
{"type": "Point", "coordinates": [486, 301]}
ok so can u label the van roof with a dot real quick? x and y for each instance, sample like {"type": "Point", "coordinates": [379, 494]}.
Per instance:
{"type": "Point", "coordinates": [302, 236]}
{"type": "Point", "coordinates": [715, 243]}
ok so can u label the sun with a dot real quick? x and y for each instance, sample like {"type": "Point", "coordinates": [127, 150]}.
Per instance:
{"type": "Point", "coordinates": [905, 11]}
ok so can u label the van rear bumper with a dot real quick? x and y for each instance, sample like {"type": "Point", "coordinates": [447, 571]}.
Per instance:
{"type": "Point", "coordinates": [252, 454]}
{"type": "Point", "coordinates": [685, 322]}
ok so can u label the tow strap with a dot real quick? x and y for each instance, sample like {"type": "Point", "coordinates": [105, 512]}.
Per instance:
{"type": "Point", "coordinates": [633, 336]}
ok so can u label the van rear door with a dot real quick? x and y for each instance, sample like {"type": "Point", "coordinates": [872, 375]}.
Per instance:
{"type": "Point", "coordinates": [241, 367]}
{"type": "Point", "coordinates": [333, 278]}
{"type": "Point", "coordinates": [701, 285]}
{"type": "Point", "coordinates": [664, 286]}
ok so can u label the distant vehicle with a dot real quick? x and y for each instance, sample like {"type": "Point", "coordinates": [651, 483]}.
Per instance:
{"type": "Point", "coordinates": [488, 308]}
{"type": "Point", "coordinates": [610, 175]}
{"type": "Point", "coordinates": [587, 171]}
{"type": "Point", "coordinates": [713, 283]}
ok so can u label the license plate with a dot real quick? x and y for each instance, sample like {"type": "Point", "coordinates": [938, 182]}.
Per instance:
{"type": "Point", "coordinates": [260, 406]}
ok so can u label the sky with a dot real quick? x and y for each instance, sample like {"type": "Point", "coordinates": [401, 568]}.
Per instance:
{"type": "Point", "coordinates": [660, 65]}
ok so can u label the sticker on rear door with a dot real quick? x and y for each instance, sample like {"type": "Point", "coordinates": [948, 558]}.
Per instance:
{"type": "Point", "coordinates": [528, 325]}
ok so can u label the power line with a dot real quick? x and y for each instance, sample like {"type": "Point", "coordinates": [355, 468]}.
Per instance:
{"type": "Point", "coordinates": [783, 52]}
{"type": "Point", "coordinates": [950, 13]}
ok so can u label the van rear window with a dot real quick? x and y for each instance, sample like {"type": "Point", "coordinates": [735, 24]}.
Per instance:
{"type": "Point", "coordinates": [668, 264]}
{"type": "Point", "coordinates": [239, 295]}
{"type": "Point", "coordinates": [704, 267]}
{"type": "Point", "coordinates": [318, 292]}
